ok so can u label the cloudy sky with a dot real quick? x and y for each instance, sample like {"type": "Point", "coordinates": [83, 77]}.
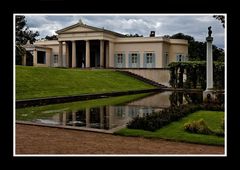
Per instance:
{"type": "Point", "coordinates": [162, 24]}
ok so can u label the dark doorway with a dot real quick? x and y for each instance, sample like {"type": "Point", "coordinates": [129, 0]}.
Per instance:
{"type": "Point", "coordinates": [80, 53]}
{"type": "Point", "coordinates": [95, 53]}
{"type": "Point", "coordinates": [29, 58]}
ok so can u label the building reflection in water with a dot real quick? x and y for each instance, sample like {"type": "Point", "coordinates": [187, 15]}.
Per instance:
{"type": "Point", "coordinates": [109, 117]}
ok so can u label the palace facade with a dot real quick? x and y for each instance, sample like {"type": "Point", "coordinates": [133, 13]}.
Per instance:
{"type": "Point", "coordinates": [84, 46]}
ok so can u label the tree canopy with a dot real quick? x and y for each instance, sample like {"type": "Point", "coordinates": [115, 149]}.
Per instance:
{"type": "Point", "coordinates": [23, 34]}
{"type": "Point", "coordinates": [53, 37]}
{"type": "Point", "coordinates": [220, 18]}
{"type": "Point", "coordinates": [197, 49]}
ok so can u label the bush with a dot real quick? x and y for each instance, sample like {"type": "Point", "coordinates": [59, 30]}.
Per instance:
{"type": "Point", "coordinates": [157, 120]}
{"type": "Point", "coordinates": [199, 127]}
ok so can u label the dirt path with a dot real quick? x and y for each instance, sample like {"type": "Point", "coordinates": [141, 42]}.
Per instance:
{"type": "Point", "coordinates": [45, 140]}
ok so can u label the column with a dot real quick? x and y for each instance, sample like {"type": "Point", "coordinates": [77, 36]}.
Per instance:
{"type": "Point", "coordinates": [74, 54]}
{"type": "Point", "coordinates": [101, 118]}
{"type": "Point", "coordinates": [67, 54]}
{"type": "Point", "coordinates": [87, 54]}
{"type": "Point", "coordinates": [88, 118]}
{"type": "Point", "coordinates": [64, 120]}
{"type": "Point", "coordinates": [35, 57]}
{"type": "Point", "coordinates": [107, 56]}
{"type": "Point", "coordinates": [60, 54]}
{"type": "Point", "coordinates": [111, 54]}
{"type": "Point", "coordinates": [101, 53]}
{"type": "Point", "coordinates": [209, 64]}
{"type": "Point", "coordinates": [24, 58]}
{"type": "Point", "coordinates": [74, 118]}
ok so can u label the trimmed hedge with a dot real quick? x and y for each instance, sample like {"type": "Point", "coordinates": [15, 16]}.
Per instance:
{"type": "Point", "coordinates": [159, 119]}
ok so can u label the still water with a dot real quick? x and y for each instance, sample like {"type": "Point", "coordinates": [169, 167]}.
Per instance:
{"type": "Point", "coordinates": [108, 117]}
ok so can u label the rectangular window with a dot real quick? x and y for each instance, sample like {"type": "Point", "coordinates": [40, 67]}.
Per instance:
{"type": "Point", "coordinates": [134, 57]}
{"type": "Point", "coordinates": [55, 58]}
{"type": "Point", "coordinates": [41, 57]}
{"type": "Point", "coordinates": [120, 58]}
{"type": "Point", "coordinates": [180, 57]}
{"type": "Point", "coordinates": [149, 58]}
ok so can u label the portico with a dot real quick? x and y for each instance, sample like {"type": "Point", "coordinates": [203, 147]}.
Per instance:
{"type": "Point", "coordinates": [85, 46]}
{"type": "Point", "coordinates": [83, 53]}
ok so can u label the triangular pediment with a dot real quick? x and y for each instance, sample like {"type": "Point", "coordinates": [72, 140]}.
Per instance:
{"type": "Point", "coordinates": [78, 28]}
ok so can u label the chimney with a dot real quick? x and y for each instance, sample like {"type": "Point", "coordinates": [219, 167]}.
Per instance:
{"type": "Point", "coordinates": [152, 34]}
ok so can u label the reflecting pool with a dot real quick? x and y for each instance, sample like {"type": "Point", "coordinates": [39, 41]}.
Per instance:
{"type": "Point", "coordinates": [106, 113]}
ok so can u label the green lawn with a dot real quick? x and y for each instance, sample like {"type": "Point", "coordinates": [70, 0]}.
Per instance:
{"type": "Point", "coordinates": [30, 113]}
{"type": "Point", "coordinates": [175, 130]}
{"type": "Point", "coordinates": [37, 82]}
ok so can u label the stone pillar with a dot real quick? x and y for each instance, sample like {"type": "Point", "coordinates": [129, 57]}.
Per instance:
{"type": "Point", "coordinates": [34, 57]}
{"type": "Point", "coordinates": [24, 59]}
{"type": "Point", "coordinates": [60, 62]}
{"type": "Point", "coordinates": [209, 64]}
{"type": "Point", "coordinates": [64, 120]}
{"type": "Point", "coordinates": [87, 54]}
{"type": "Point", "coordinates": [111, 54]}
{"type": "Point", "coordinates": [209, 94]}
{"type": "Point", "coordinates": [74, 54]}
{"type": "Point", "coordinates": [88, 125]}
{"type": "Point", "coordinates": [67, 54]}
{"type": "Point", "coordinates": [74, 118]}
{"type": "Point", "coordinates": [101, 118]}
{"type": "Point", "coordinates": [101, 53]}
{"type": "Point", "coordinates": [107, 56]}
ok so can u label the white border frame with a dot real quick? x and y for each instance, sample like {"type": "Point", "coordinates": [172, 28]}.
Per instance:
{"type": "Point", "coordinates": [118, 155]}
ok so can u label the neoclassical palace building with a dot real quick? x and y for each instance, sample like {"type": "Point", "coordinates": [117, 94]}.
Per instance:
{"type": "Point", "coordinates": [84, 46]}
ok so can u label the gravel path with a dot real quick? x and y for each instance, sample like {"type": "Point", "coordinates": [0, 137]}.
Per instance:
{"type": "Point", "coordinates": [45, 140]}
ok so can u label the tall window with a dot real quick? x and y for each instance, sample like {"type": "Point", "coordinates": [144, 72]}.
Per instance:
{"type": "Point", "coordinates": [55, 58]}
{"type": "Point", "coordinates": [149, 58]}
{"type": "Point", "coordinates": [41, 57]}
{"type": "Point", "coordinates": [134, 57]}
{"type": "Point", "coordinates": [180, 57]}
{"type": "Point", "coordinates": [120, 58]}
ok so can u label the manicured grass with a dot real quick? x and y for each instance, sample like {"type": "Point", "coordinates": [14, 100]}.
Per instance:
{"type": "Point", "coordinates": [175, 130]}
{"type": "Point", "coordinates": [31, 113]}
{"type": "Point", "coordinates": [37, 82]}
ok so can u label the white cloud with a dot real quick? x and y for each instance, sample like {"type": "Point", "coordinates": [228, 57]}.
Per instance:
{"type": "Point", "coordinates": [193, 25]}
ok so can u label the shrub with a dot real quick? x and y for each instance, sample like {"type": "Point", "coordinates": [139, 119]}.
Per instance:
{"type": "Point", "coordinates": [157, 120]}
{"type": "Point", "coordinates": [199, 127]}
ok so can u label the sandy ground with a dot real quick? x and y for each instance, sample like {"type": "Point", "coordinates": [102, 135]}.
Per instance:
{"type": "Point", "coordinates": [44, 140]}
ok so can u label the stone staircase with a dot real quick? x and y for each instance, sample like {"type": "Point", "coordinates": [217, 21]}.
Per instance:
{"type": "Point", "coordinates": [148, 81]}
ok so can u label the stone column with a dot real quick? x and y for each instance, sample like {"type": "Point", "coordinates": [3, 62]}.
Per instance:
{"type": "Point", "coordinates": [107, 56]}
{"type": "Point", "coordinates": [111, 54]}
{"type": "Point", "coordinates": [87, 53]}
{"type": "Point", "coordinates": [74, 54]}
{"type": "Point", "coordinates": [60, 55]}
{"type": "Point", "coordinates": [24, 58]}
{"type": "Point", "coordinates": [88, 125]}
{"type": "Point", "coordinates": [64, 120]}
{"type": "Point", "coordinates": [209, 64]}
{"type": "Point", "coordinates": [74, 118]}
{"type": "Point", "coordinates": [67, 54]}
{"type": "Point", "coordinates": [101, 53]}
{"type": "Point", "coordinates": [35, 57]}
{"type": "Point", "coordinates": [209, 94]}
{"type": "Point", "coordinates": [101, 117]}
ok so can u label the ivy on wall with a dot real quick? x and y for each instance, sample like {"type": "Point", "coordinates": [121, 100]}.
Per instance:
{"type": "Point", "coordinates": [192, 74]}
